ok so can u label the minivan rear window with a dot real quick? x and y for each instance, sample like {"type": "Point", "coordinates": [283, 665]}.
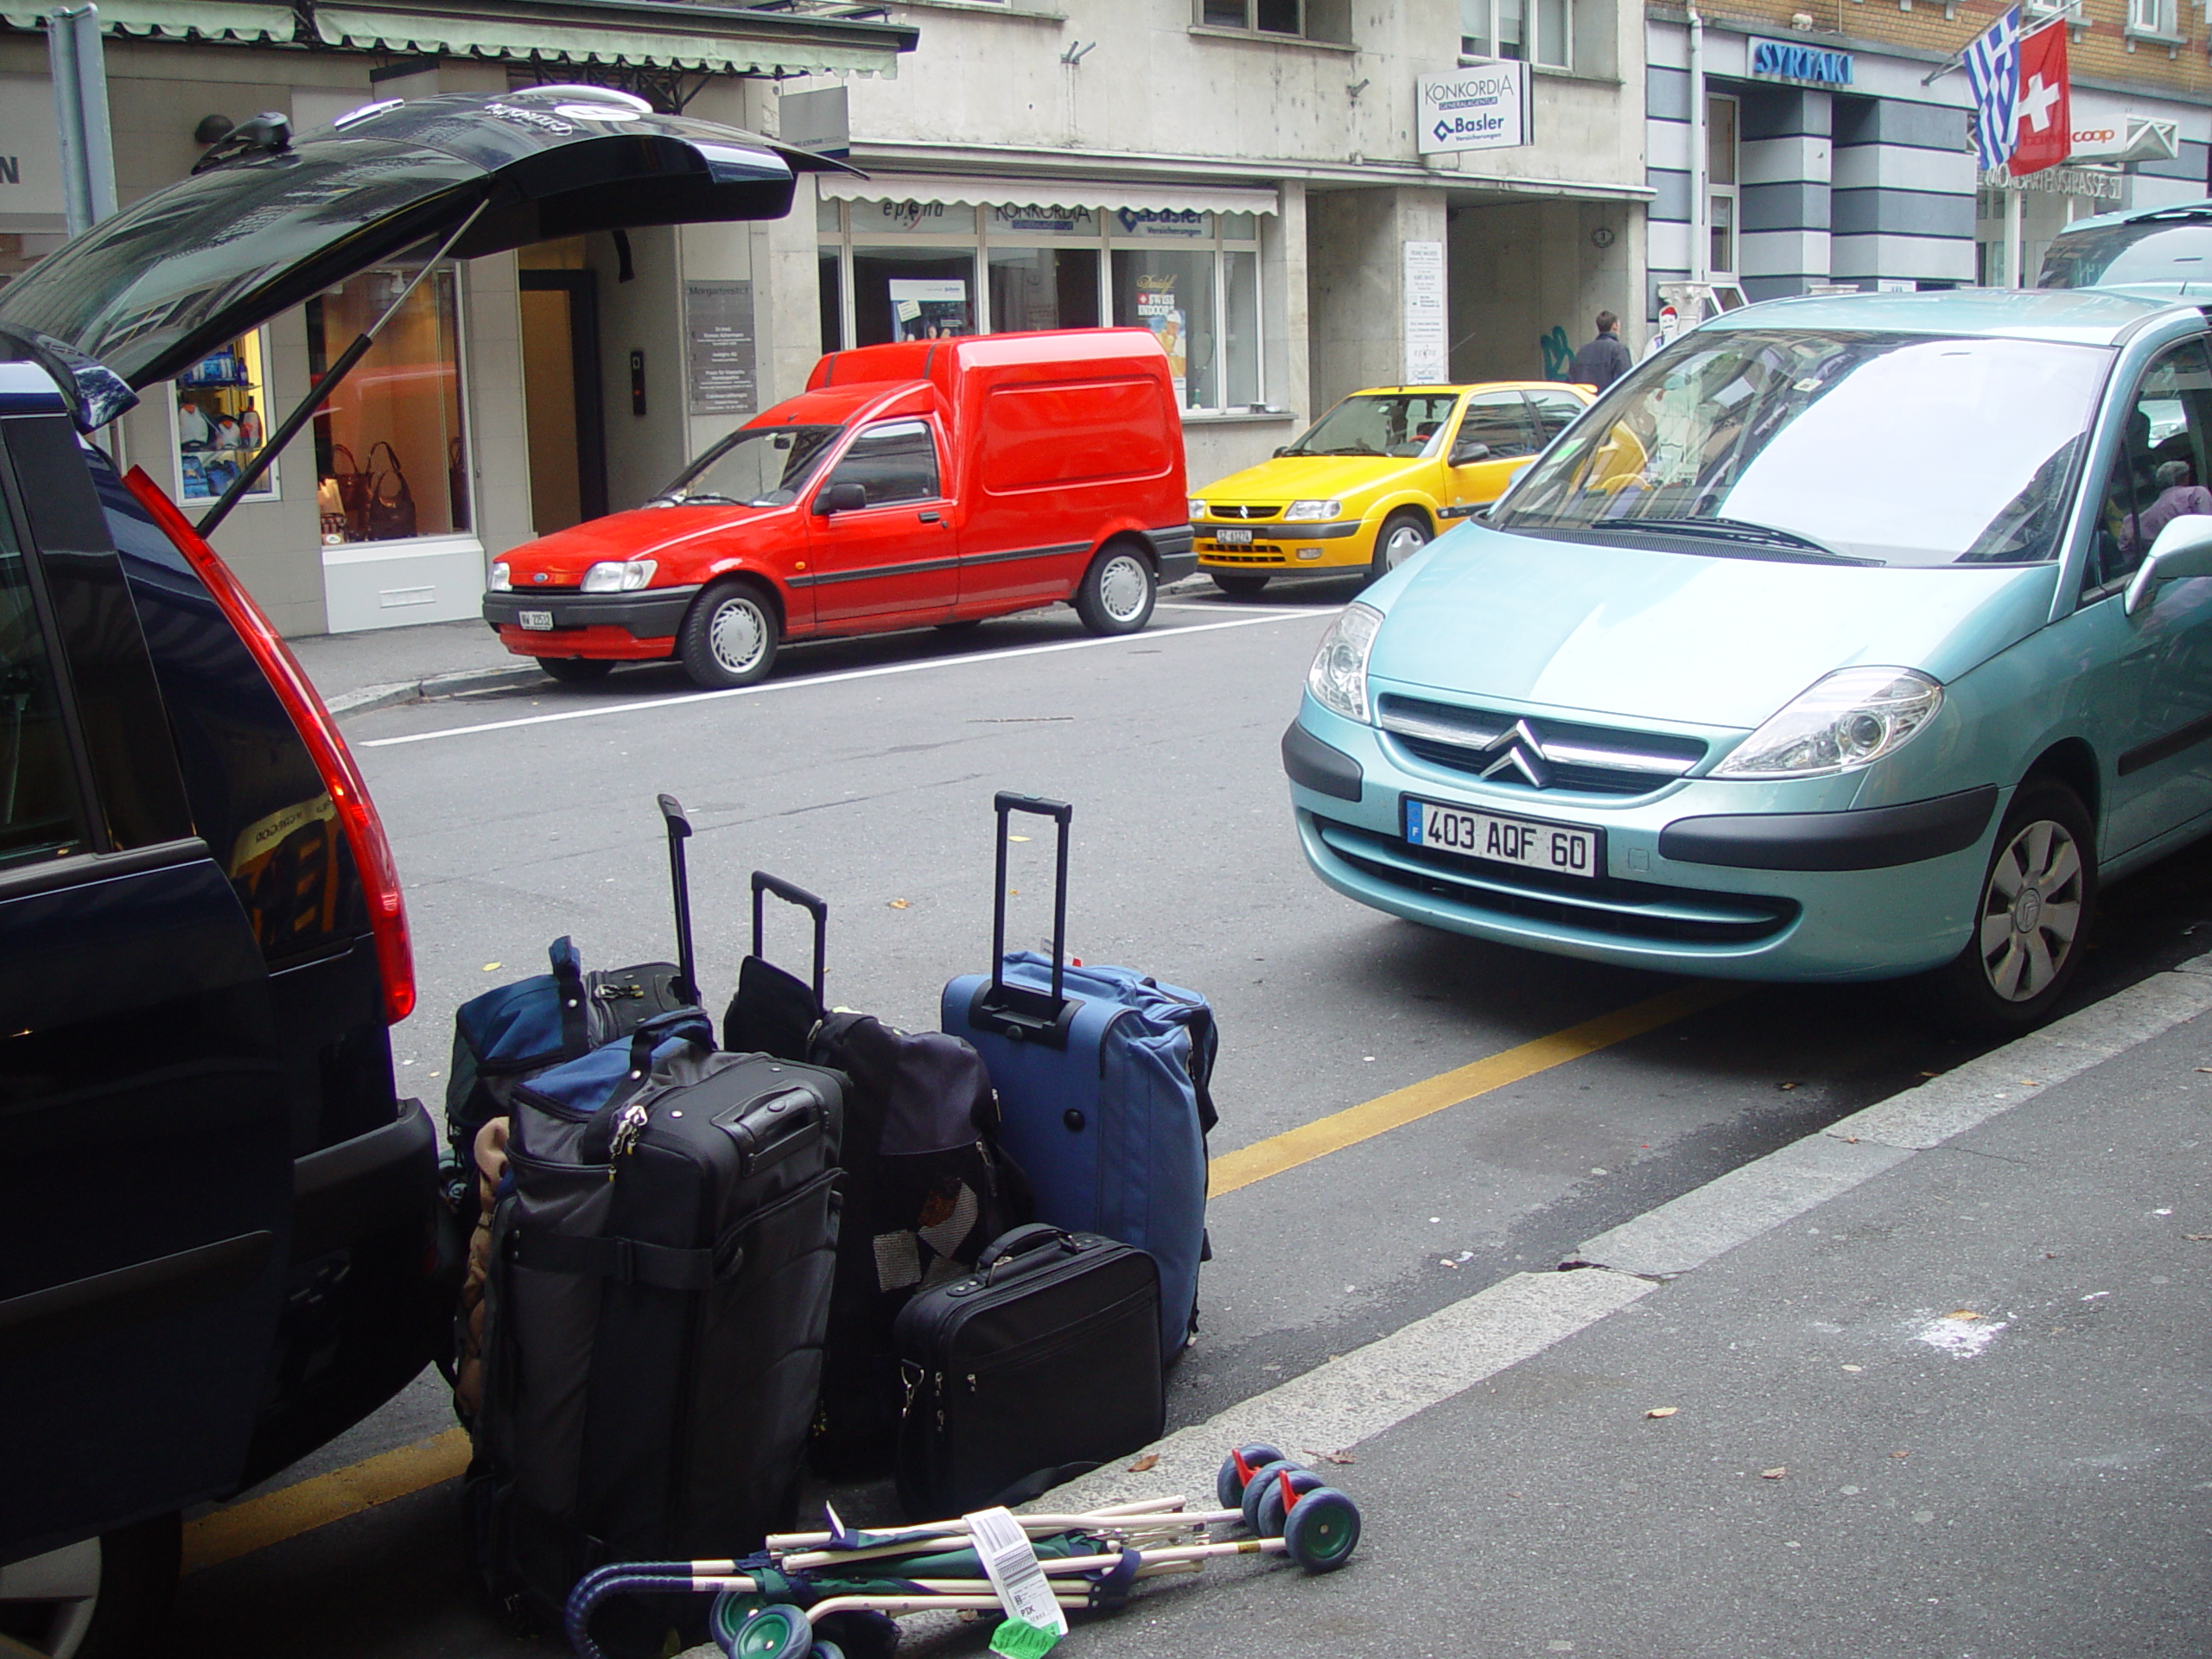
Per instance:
{"type": "Point", "coordinates": [40, 815]}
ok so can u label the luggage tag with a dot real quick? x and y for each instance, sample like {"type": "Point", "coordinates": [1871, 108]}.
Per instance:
{"type": "Point", "coordinates": [1034, 1621]}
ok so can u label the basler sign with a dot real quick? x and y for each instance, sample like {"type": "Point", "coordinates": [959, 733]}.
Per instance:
{"type": "Point", "coordinates": [1482, 107]}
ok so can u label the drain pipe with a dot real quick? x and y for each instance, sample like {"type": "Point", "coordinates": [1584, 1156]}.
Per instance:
{"type": "Point", "coordinates": [1700, 232]}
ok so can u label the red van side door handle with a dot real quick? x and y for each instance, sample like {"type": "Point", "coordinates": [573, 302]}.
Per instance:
{"type": "Point", "coordinates": [930, 518]}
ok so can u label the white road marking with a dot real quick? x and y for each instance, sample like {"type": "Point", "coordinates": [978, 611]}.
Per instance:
{"type": "Point", "coordinates": [688, 698]}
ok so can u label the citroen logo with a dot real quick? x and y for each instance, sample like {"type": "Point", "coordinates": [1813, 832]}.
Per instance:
{"type": "Point", "coordinates": [1521, 750]}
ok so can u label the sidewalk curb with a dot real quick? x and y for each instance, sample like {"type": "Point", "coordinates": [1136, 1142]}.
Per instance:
{"type": "Point", "coordinates": [1364, 1394]}
{"type": "Point", "coordinates": [436, 685]}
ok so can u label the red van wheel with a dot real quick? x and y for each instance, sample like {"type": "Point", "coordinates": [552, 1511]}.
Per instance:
{"type": "Point", "coordinates": [730, 636]}
{"type": "Point", "coordinates": [1115, 594]}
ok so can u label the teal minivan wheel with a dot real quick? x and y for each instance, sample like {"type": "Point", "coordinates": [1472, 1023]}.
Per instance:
{"type": "Point", "coordinates": [2030, 923]}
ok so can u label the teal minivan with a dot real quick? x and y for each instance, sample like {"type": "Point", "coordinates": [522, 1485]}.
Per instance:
{"type": "Point", "coordinates": [1848, 638]}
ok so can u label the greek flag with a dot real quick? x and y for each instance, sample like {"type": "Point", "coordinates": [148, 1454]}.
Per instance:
{"type": "Point", "coordinates": [1993, 70]}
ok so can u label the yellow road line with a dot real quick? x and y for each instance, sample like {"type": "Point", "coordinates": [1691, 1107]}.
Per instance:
{"type": "Point", "coordinates": [258, 1522]}
{"type": "Point", "coordinates": [1418, 1100]}
{"type": "Point", "coordinates": [261, 1521]}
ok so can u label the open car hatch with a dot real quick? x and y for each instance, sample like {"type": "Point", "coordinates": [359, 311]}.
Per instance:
{"type": "Point", "coordinates": [159, 285]}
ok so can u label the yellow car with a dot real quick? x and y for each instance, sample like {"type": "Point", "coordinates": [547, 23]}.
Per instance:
{"type": "Point", "coordinates": [1375, 480]}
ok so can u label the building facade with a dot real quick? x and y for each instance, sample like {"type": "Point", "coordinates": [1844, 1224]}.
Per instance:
{"type": "Point", "coordinates": [1790, 148]}
{"type": "Point", "coordinates": [1299, 197]}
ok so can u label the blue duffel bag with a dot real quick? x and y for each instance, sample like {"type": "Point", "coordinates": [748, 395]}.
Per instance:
{"type": "Point", "coordinates": [1102, 1079]}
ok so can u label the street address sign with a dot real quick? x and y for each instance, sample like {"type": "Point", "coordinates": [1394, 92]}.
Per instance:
{"type": "Point", "coordinates": [1483, 106]}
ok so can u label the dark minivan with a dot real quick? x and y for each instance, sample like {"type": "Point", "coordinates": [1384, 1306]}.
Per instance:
{"type": "Point", "coordinates": [220, 1238]}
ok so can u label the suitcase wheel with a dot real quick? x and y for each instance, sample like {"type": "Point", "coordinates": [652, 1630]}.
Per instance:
{"type": "Point", "coordinates": [778, 1631]}
{"type": "Point", "coordinates": [827, 1650]}
{"type": "Point", "coordinates": [1239, 1468]}
{"type": "Point", "coordinates": [1323, 1530]}
{"type": "Point", "coordinates": [1282, 1496]}
{"type": "Point", "coordinates": [1256, 1488]}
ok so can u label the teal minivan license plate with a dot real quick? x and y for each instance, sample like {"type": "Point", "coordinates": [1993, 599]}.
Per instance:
{"type": "Point", "coordinates": [1559, 848]}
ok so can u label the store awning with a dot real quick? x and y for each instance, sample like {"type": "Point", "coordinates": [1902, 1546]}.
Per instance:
{"type": "Point", "coordinates": [632, 33]}
{"type": "Point", "coordinates": [174, 20]}
{"type": "Point", "coordinates": [1050, 193]}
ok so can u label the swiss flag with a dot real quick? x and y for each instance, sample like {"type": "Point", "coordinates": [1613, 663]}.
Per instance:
{"type": "Point", "coordinates": [2046, 132]}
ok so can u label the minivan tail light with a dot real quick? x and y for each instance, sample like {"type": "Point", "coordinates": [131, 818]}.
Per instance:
{"type": "Point", "coordinates": [364, 831]}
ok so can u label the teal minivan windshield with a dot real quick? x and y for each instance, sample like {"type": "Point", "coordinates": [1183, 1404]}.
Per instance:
{"type": "Point", "coordinates": [1870, 447]}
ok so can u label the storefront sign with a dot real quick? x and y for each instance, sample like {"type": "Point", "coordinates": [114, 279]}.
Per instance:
{"type": "Point", "coordinates": [1792, 61]}
{"type": "Point", "coordinates": [908, 216]}
{"type": "Point", "coordinates": [1486, 107]}
{"type": "Point", "coordinates": [718, 351]}
{"type": "Point", "coordinates": [1161, 221]}
{"type": "Point", "coordinates": [1425, 334]}
{"type": "Point", "coordinates": [1036, 220]}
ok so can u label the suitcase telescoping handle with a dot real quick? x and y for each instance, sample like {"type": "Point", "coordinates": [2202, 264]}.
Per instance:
{"type": "Point", "coordinates": [679, 882]}
{"type": "Point", "coordinates": [764, 884]}
{"type": "Point", "coordinates": [1007, 803]}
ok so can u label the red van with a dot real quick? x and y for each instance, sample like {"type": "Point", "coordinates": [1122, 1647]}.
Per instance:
{"type": "Point", "coordinates": [925, 482]}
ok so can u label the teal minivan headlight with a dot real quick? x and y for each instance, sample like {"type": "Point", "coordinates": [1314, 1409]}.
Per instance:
{"type": "Point", "coordinates": [1849, 719]}
{"type": "Point", "coordinates": [1338, 676]}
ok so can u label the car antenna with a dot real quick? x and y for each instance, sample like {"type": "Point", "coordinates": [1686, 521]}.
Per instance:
{"type": "Point", "coordinates": [288, 427]}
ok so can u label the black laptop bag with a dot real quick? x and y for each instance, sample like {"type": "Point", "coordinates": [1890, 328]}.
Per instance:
{"type": "Point", "coordinates": [1040, 1365]}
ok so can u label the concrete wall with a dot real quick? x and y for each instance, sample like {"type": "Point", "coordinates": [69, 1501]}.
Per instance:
{"type": "Point", "coordinates": [1356, 281]}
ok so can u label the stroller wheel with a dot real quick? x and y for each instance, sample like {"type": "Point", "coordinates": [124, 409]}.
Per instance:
{"type": "Point", "coordinates": [778, 1631]}
{"type": "Point", "coordinates": [1256, 1488]}
{"type": "Point", "coordinates": [1323, 1530]}
{"type": "Point", "coordinates": [1273, 1509]}
{"type": "Point", "coordinates": [1229, 1483]}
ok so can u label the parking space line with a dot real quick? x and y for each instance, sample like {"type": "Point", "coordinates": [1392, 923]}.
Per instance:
{"type": "Point", "coordinates": [686, 698]}
{"type": "Point", "coordinates": [1302, 1145]}
{"type": "Point", "coordinates": [286, 1513]}
{"type": "Point", "coordinates": [258, 1523]}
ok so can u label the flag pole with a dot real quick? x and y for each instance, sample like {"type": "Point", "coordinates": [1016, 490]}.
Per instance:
{"type": "Point", "coordinates": [2013, 195]}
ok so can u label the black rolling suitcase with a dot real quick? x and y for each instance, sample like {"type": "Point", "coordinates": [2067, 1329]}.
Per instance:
{"type": "Point", "coordinates": [659, 1287]}
{"type": "Point", "coordinates": [1040, 1365]}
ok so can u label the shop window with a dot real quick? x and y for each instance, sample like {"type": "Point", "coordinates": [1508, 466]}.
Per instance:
{"type": "Point", "coordinates": [1530, 31]}
{"type": "Point", "coordinates": [1170, 291]}
{"type": "Point", "coordinates": [1720, 184]}
{"type": "Point", "coordinates": [391, 461]}
{"type": "Point", "coordinates": [222, 404]}
{"type": "Point", "coordinates": [1043, 287]}
{"type": "Point", "coordinates": [1241, 313]}
{"type": "Point", "coordinates": [913, 293]}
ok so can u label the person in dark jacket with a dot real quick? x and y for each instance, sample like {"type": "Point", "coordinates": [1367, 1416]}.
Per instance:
{"type": "Point", "coordinates": [1605, 359]}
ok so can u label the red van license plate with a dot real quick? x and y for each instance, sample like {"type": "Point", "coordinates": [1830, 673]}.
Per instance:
{"type": "Point", "coordinates": [1562, 849]}
{"type": "Point", "coordinates": [536, 621]}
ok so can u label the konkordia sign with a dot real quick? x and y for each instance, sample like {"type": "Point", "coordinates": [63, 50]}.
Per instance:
{"type": "Point", "coordinates": [1482, 107]}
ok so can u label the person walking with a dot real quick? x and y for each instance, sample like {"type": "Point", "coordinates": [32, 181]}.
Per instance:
{"type": "Point", "coordinates": [1605, 359]}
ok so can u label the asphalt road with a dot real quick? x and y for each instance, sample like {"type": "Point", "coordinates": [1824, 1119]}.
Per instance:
{"type": "Point", "coordinates": [865, 771]}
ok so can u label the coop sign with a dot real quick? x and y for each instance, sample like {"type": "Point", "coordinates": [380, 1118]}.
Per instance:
{"type": "Point", "coordinates": [1808, 66]}
{"type": "Point", "coordinates": [1483, 106]}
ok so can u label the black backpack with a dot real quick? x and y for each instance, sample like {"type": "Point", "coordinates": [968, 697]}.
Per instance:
{"type": "Point", "coordinates": [925, 1189]}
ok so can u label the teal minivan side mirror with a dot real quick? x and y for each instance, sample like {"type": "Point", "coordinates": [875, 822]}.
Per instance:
{"type": "Point", "coordinates": [2183, 548]}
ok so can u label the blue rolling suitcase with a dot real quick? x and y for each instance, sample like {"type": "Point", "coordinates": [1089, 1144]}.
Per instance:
{"type": "Point", "coordinates": [1102, 1075]}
